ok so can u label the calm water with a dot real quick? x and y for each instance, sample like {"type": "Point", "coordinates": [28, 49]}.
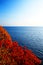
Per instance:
{"type": "Point", "coordinates": [32, 37]}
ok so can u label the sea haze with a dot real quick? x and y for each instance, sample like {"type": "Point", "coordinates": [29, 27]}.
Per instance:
{"type": "Point", "coordinates": [31, 37]}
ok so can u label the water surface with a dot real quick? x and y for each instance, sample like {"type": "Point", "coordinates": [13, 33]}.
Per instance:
{"type": "Point", "coordinates": [32, 37]}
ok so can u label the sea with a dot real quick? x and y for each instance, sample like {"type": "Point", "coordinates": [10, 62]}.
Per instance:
{"type": "Point", "coordinates": [31, 37]}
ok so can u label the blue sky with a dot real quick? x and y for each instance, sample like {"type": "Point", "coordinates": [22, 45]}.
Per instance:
{"type": "Point", "coordinates": [21, 12]}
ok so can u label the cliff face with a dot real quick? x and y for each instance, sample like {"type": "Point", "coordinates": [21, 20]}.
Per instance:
{"type": "Point", "coordinates": [13, 54]}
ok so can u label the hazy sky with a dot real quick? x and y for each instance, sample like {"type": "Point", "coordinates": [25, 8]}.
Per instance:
{"type": "Point", "coordinates": [21, 12]}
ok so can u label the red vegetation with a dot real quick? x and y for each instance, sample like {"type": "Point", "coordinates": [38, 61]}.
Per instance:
{"type": "Point", "coordinates": [13, 54]}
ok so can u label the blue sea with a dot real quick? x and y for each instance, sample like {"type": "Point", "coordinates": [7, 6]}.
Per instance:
{"type": "Point", "coordinates": [31, 37]}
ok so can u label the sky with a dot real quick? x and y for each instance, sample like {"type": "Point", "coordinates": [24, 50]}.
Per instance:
{"type": "Point", "coordinates": [21, 12]}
